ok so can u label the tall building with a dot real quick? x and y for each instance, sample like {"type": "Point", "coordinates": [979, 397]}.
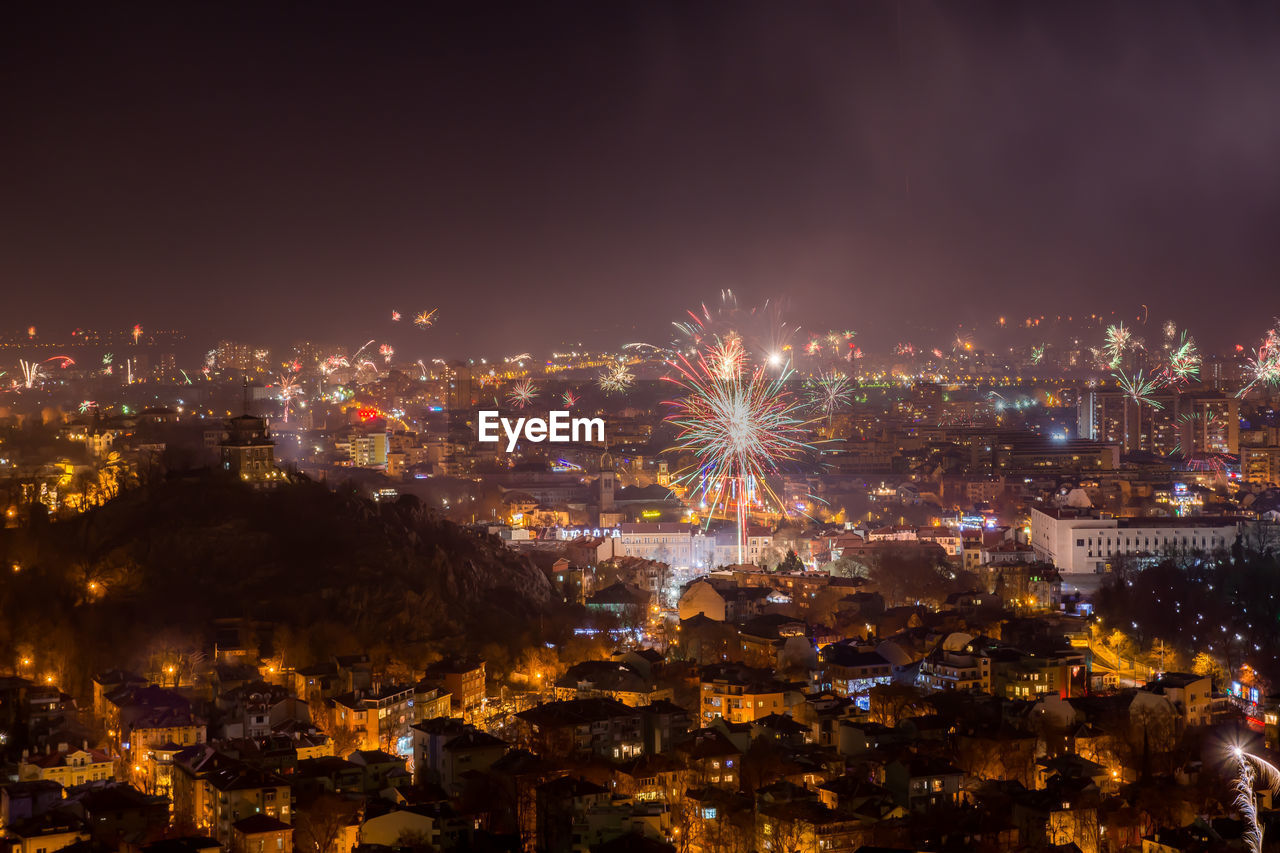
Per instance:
{"type": "Point", "coordinates": [369, 450]}
{"type": "Point", "coordinates": [1260, 465]}
{"type": "Point", "coordinates": [1188, 424]}
{"type": "Point", "coordinates": [459, 387]}
{"type": "Point", "coordinates": [1209, 424]}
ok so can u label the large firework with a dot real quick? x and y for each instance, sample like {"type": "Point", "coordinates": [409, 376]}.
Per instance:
{"type": "Point", "coordinates": [426, 318]}
{"type": "Point", "coordinates": [738, 429]}
{"type": "Point", "coordinates": [386, 351]}
{"type": "Point", "coordinates": [522, 393]}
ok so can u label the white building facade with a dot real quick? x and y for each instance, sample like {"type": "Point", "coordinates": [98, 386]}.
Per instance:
{"type": "Point", "coordinates": [1083, 541]}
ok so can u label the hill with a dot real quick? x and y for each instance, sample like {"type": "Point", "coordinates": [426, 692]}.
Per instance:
{"type": "Point", "coordinates": [331, 571]}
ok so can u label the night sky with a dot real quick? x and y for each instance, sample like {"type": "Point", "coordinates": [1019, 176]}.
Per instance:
{"type": "Point", "coordinates": [545, 172]}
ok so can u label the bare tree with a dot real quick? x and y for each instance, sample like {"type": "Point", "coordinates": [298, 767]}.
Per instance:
{"type": "Point", "coordinates": [319, 825]}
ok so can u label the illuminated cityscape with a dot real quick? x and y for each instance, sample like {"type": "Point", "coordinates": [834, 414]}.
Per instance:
{"type": "Point", "coordinates": [564, 430]}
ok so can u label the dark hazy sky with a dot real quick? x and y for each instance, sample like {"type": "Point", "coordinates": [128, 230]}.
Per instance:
{"type": "Point", "coordinates": [543, 172]}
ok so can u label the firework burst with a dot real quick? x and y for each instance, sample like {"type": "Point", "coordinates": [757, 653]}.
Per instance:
{"type": "Point", "coordinates": [727, 357]}
{"type": "Point", "coordinates": [833, 344]}
{"type": "Point", "coordinates": [738, 429]}
{"type": "Point", "coordinates": [395, 316]}
{"type": "Point", "coordinates": [1182, 362]}
{"type": "Point", "coordinates": [615, 378]}
{"type": "Point", "coordinates": [1119, 340]}
{"type": "Point", "coordinates": [828, 393]}
{"type": "Point", "coordinates": [426, 318]}
{"type": "Point", "coordinates": [1139, 388]}
{"type": "Point", "coordinates": [1264, 367]}
{"type": "Point", "coordinates": [1037, 354]}
{"type": "Point", "coordinates": [386, 351]}
{"type": "Point", "coordinates": [288, 390]}
{"type": "Point", "coordinates": [569, 399]}
{"type": "Point", "coordinates": [523, 393]}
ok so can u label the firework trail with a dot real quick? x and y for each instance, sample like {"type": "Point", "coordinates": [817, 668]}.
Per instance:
{"type": "Point", "coordinates": [31, 373]}
{"type": "Point", "coordinates": [738, 429]}
{"type": "Point", "coordinates": [137, 333]}
{"type": "Point", "coordinates": [1251, 768]}
{"type": "Point", "coordinates": [522, 393]}
{"type": "Point", "coordinates": [355, 357]}
{"type": "Point", "coordinates": [759, 329]}
{"type": "Point", "coordinates": [426, 318]}
{"type": "Point", "coordinates": [711, 323]}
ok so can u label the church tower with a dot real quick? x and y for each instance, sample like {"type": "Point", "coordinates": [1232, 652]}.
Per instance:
{"type": "Point", "coordinates": [606, 483]}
